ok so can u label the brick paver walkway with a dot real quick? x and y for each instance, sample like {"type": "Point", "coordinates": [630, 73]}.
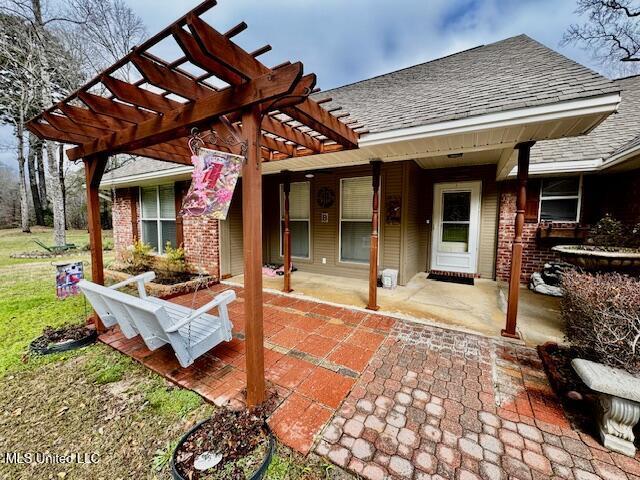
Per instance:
{"type": "Point", "coordinates": [313, 355]}
{"type": "Point", "coordinates": [439, 404]}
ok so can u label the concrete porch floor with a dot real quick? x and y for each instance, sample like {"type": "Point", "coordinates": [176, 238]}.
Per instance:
{"type": "Point", "coordinates": [479, 308]}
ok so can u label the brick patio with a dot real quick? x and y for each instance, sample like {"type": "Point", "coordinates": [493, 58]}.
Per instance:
{"type": "Point", "coordinates": [308, 346]}
{"type": "Point", "coordinates": [434, 403]}
{"type": "Point", "coordinates": [406, 401]}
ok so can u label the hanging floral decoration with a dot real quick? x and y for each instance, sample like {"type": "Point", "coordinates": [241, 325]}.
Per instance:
{"type": "Point", "coordinates": [214, 179]}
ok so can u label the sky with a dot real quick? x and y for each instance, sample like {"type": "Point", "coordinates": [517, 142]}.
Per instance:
{"type": "Point", "coordinates": [344, 41]}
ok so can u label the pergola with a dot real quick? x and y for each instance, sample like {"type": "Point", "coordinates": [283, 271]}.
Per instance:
{"type": "Point", "coordinates": [267, 109]}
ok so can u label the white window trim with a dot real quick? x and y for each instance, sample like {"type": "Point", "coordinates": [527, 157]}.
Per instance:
{"type": "Point", "coordinates": [561, 197]}
{"type": "Point", "coordinates": [158, 220]}
{"type": "Point", "coordinates": [281, 219]}
{"type": "Point", "coordinates": [340, 220]}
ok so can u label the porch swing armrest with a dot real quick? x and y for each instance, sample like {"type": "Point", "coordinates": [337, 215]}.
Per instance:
{"type": "Point", "coordinates": [221, 299]}
{"type": "Point", "coordinates": [139, 279]}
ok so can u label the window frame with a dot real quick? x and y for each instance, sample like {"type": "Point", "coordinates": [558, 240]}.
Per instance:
{"type": "Point", "coordinates": [560, 197]}
{"type": "Point", "coordinates": [340, 220]}
{"type": "Point", "coordinates": [281, 220]}
{"type": "Point", "coordinates": [159, 219]}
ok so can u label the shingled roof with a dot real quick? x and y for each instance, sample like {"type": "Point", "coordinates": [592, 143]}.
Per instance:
{"type": "Point", "coordinates": [513, 73]}
{"type": "Point", "coordinates": [619, 132]}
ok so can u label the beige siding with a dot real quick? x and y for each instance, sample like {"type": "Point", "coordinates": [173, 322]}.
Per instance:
{"type": "Point", "coordinates": [414, 239]}
{"type": "Point", "coordinates": [488, 229]}
{"type": "Point", "coordinates": [405, 246]}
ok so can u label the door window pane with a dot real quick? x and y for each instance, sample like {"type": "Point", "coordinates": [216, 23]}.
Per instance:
{"type": "Point", "coordinates": [299, 200]}
{"type": "Point", "coordinates": [455, 237]}
{"type": "Point", "coordinates": [456, 206]}
{"type": "Point", "coordinates": [355, 241]}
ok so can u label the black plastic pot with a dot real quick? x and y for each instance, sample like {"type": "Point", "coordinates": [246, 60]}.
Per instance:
{"type": "Point", "coordinates": [63, 347]}
{"type": "Point", "coordinates": [257, 475]}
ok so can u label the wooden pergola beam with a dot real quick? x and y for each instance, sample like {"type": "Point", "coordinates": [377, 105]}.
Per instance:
{"type": "Point", "coordinates": [164, 128]}
{"type": "Point", "coordinates": [48, 132]}
{"type": "Point", "coordinates": [139, 96]}
{"type": "Point", "coordinates": [121, 111]}
{"type": "Point", "coordinates": [241, 63]}
{"type": "Point", "coordinates": [88, 117]}
{"type": "Point", "coordinates": [65, 124]}
{"type": "Point", "coordinates": [167, 79]}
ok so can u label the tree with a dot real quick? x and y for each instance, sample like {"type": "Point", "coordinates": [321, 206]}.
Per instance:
{"type": "Point", "coordinates": [73, 39]}
{"type": "Point", "coordinates": [611, 31]}
{"type": "Point", "coordinates": [19, 87]}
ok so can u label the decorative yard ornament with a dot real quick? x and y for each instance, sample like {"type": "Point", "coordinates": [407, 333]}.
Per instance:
{"type": "Point", "coordinates": [214, 178]}
{"type": "Point", "coordinates": [68, 274]}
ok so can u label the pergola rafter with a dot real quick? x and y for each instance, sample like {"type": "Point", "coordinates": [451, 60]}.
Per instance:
{"type": "Point", "coordinates": [267, 109]}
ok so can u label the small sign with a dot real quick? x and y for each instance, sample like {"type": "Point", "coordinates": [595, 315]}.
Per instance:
{"type": "Point", "coordinates": [67, 277]}
{"type": "Point", "coordinates": [324, 217]}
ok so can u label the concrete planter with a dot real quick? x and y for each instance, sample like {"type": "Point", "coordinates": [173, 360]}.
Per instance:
{"type": "Point", "coordinates": [594, 258]}
{"type": "Point", "coordinates": [164, 291]}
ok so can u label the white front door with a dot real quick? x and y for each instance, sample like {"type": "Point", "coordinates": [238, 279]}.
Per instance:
{"type": "Point", "coordinates": [456, 225]}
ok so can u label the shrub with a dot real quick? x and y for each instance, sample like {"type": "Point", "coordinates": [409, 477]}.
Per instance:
{"type": "Point", "coordinates": [138, 256]}
{"type": "Point", "coordinates": [609, 232]}
{"type": "Point", "coordinates": [602, 316]}
{"type": "Point", "coordinates": [174, 259]}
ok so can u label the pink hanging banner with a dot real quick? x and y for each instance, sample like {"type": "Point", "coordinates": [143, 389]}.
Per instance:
{"type": "Point", "coordinates": [213, 181]}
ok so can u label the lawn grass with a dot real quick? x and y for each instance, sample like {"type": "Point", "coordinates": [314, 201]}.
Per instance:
{"type": "Point", "coordinates": [28, 300]}
{"type": "Point", "coordinates": [92, 400]}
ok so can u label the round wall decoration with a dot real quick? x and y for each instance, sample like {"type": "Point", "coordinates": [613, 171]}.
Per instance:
{"type": "Point", "coordinates": [326, 197]}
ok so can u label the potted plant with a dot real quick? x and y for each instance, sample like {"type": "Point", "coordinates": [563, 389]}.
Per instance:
{"type": "Point", "coordinates": [69, 337]}
{"type": "Point", "coordinates": [231, 445]}
{"type": "Point", "coordinates": [611, 246]}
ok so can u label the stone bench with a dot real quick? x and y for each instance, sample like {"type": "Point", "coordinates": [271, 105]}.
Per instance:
{"type": "Point", "coordinates": [619, 394]}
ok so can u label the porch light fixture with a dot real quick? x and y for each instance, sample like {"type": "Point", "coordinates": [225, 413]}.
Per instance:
{"type": "Point", "coordinates": [454, 155]}
{"type": "Point", "coordinates": [309, 175]}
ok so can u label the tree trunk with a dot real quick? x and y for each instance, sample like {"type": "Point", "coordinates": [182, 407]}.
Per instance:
{"type": "Point", "coordinates": [35, 193]}
{"type": "Point", "coordinates": [24, 202]}
{"type": "Point", "coordinates": [57, 201]}
{"type": "Point", "coordinates": [63, 187]}
{"type": "Point", "coordinates": [42, 182]}
{"type": "Point", "coordinates": [47, 97]}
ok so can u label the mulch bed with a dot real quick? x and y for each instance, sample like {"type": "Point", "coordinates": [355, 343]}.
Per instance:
{"type": "Point", "coordinates": [577, 399]}
{"type": "Point", "coordinates": [164, 277]}
{"type": "Point", "coordinates": [56, 339]}
{"type": "Point", "coordinates": [239, 436]}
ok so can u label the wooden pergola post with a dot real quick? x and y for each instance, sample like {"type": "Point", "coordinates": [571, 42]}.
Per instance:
{"type": "Point", "coordinates": [524, 151]}
{"type": "Point", "coordinates": [286, 187]}
{"type": "Point", "coordinates": [373, 250]}
{"type": "Point", "coordinates": [252, 244]}
{"type": "Point", "coordinates": [94, 168]}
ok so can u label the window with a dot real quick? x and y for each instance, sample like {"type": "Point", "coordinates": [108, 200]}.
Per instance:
{"type": "Point", "coordinates": [355, 219]}
{"type": "Point", "coordinates": [560, 199]}
{"type": "Point", "coordinates": [456, 220]}
{"type": "Point", "coordinates": [158, 214]}
{"type": "Point", "coordinates": [299, 219]}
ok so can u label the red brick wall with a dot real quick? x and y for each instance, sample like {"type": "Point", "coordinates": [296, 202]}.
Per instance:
{"type": "Point", "coordinates": [534, 256]}
{"type": "Point", "coordinates": [201, 243]}
{"type": "Point", "coordinates": [201, 240]}
{"type": "Point", "coordinates": [121, 216]}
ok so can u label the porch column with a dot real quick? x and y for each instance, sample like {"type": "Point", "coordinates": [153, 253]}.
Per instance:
{"type": "Point", "coordinates": [286, 187]}
{"type": "Point", "coordinates": [373, 251]}
{"type": "Point", "coordinates": [524, 150]}
{"type": "Point", "coordinates": [252, 246]}
{"type": "Point", "coordinates": [94, 168]}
